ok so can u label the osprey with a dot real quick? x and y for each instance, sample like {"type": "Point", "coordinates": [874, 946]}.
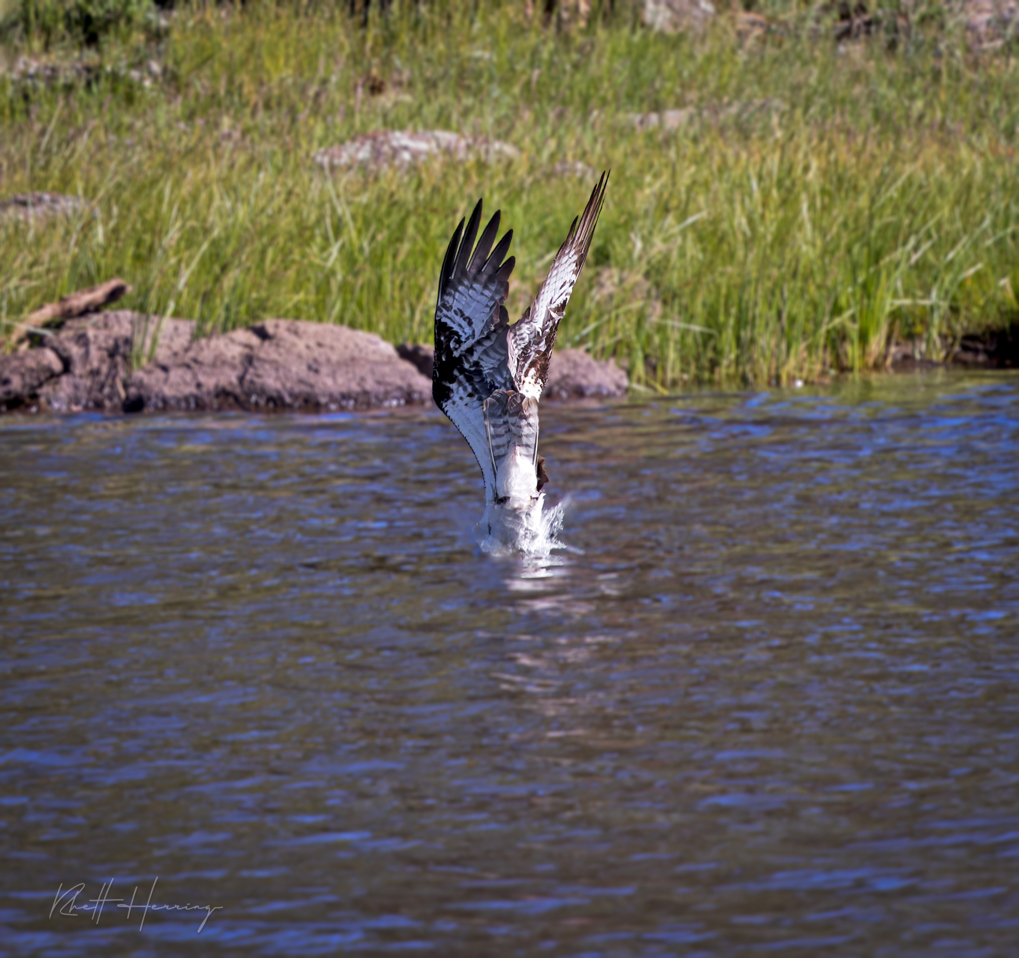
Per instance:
{"type": "Point", "coordinates": [488, 375]}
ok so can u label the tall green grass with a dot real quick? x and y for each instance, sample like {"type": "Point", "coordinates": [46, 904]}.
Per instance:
{"type": "Point", "coordinates": [819, 203]}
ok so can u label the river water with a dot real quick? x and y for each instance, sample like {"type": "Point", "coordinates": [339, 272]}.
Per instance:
{"type": "Point", "coordinates": [767, 703]}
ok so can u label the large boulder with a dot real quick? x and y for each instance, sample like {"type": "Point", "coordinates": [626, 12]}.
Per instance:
{"type": "Point", "coordinates": [575, 374]}
{"type": "Point", "coordinates": [280, 364]}
{"type": "Point", "coordinates": [200, 374]}
{"type": "Point", "coordinates": [277, 364]}
{"type": "Point", "coordinates": [316, 365]}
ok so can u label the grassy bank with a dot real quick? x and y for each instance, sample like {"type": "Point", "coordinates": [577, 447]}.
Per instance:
{"type": "Point", "coordinates": [816, 202]}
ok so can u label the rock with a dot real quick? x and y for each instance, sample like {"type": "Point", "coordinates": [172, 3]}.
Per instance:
{"type": "Point", "coordinates": [574, 374]}
{"type": "Point", "coordinates": [315, 366]}
{"type": "Point", "coordinates": [23, 375]}
{"type": "Point", "coordinates": [676, 16]}
{"type": "Point", "coordinates": [95, 353]}
{"type": "Point", "coordinates": [40, 206]}
{"type": "Point", "coordinates": [403, 149]}
{"type": "Point", "coordinates": [279, 364]}
{"type": "Point", "coordinates": [161, 340]}
{"type": "Point", "coordinates": [203, 374]}
{"type": "Point", "coordinates": [989, 23]}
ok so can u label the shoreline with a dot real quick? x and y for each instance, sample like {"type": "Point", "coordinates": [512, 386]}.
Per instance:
{"type": "Point", "coordinates": [121, 363]}
{"type": "Point", "coordinates": [318, 369]}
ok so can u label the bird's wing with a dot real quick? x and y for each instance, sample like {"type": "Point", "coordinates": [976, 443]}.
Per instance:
{"type": "Point", "coordinates": [470, 334]}
{"type": "Point", "coordinates": [530, 341]}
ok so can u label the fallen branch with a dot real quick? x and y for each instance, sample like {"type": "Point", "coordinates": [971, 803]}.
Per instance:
{"type": "Point", "coordinates": [75, 304]}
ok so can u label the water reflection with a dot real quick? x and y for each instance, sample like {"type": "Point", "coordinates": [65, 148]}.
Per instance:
{"type": "Point", "coordinates": [763, 703]}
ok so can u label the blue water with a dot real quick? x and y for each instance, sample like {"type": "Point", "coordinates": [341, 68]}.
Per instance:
{"type": "Point", "coordinates": [766, 703]}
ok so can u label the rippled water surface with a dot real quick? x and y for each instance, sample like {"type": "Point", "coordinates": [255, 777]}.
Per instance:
{"type": "Point", "coordinates": [768, 703]}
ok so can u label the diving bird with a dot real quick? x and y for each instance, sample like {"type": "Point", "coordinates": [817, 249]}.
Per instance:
{"type": "Point", "coordinates": [488, 375]}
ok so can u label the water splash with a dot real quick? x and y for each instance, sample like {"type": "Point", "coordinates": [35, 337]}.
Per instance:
{"type": "Point", "coordinates": [531, 532]}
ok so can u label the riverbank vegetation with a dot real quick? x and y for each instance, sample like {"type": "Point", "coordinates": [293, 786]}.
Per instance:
{"type": "Point", "coordinates": [781, 204]}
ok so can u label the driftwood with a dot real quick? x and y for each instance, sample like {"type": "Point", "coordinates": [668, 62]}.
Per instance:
{"type": "Point", "coordinates": [75, 304]}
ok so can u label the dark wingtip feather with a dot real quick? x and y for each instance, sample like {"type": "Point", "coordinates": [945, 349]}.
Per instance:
{"type": "Point", "coordinates": [467, 243]}
{"type": "Point", "coordinates": [571, 233]}
{"type": "Point", "coordinates": [500, 251]}
{"type": "Point", "coordinates": [506, 269]}
{"type": "Point", "coordinates": [589, 218]}
{"type": "Point", "coordinates": [480, 256]}
{"type": "Point", "coordinates": [447, 263]}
